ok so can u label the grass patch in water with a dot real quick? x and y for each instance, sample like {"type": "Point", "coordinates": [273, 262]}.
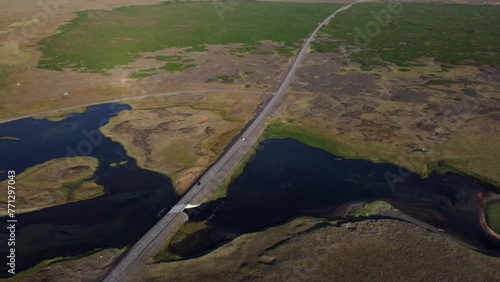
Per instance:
{"type": "Point", "coordinates": [10, 138]}
{"type": "Point", "coordinates": [371, 209]}
{"type": "Point", "coordinates": [492, 212]}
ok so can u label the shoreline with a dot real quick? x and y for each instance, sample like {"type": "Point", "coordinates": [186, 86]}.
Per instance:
{"type": "Point", "coordinates": [69, 110]}
{"type": "Point", "coordinates": [63, 189]}
{"type": "Point", "coordinates": [345, 209]}
{"type": "Point", "coordinates": [278, 130]}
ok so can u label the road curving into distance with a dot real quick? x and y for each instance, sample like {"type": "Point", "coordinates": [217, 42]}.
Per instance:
{"type": "Point", "coordinates": [145, 248]}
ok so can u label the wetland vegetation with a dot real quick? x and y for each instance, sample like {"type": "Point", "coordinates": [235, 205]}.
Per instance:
{"type": "Point", "coordinates": [492, 212]}
{"type": "Point", "coordinates": [181, 135]}
{"type": "Point", "coordinates": [287, 179]}
{"type": "Point", "coordinates": [376, 35]}
{"type": "Point", "coordinates": [56, 182]}
{"type": "Point", "coordinates": [421, 94]}
{"type": "Point", "coordinates": [97, 41]}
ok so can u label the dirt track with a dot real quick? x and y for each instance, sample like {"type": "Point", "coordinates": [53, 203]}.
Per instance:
{"type": "Point", "coordinates": [119, 100]}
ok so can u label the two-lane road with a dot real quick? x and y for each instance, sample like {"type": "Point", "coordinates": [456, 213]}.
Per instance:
{"type": "Point", "coordinates": [213, 177]}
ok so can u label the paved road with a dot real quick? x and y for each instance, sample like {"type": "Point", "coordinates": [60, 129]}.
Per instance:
{"type": "Point", "coordinates": [212, 178]}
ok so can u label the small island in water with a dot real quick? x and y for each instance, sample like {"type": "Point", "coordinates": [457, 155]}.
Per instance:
{"type": "Point", "coordinates": [55, 182]}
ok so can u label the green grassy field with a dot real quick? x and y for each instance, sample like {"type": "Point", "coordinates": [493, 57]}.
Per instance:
{"type": "Point", "coordinates": [176, 66]}
{"type": "Point", "coordinates": [492, 211]}
{"type": "Point", "coordinates": [372, 208]}
{"type": "Point", "coordinates": [141, 73]}
{"type": "Point", "coordinates": [96, 41]}
{"type": "Point", "coordinates": [452, 34]}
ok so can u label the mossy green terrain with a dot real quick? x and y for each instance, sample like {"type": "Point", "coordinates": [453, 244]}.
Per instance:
{"type": "Point", "coordinates": [451, 34]}
{"type": "Point", "coordinates": [492, 211]}
{"type": "Point", "coordinates": [142, 73]}
{"type": "Point", "coordinates": [96, 41]}
{"type": "Point", "coordinates": [168, 58]}
{"type": "Point", "coordinates": [283, 131]}
{"type": "Point", "coordinates": [371, 209]}
{"type": "Point", "coordinates": [174, 63]}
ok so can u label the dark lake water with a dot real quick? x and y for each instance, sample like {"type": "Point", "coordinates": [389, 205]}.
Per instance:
{"type": "Point", "coordinates": [133, 196]}
{"type": "Point", "coordinates": [288, 179]}
{"type": "Point", "coordinates": [284, 180]}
